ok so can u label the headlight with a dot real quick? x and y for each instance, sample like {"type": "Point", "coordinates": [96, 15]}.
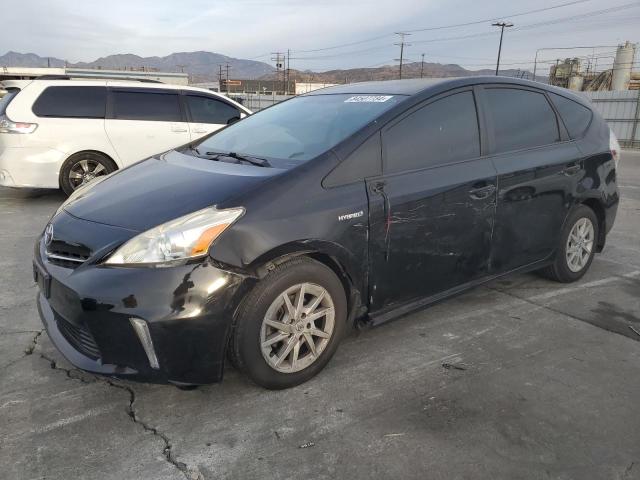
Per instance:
{"type": "Point", "coordinates": [180, 239]}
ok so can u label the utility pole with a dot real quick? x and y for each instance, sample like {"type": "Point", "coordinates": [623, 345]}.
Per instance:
{"type": "Point", "coordinates": [402, 44]}
{"type": "Point", "coordinates": [288, 71]}
{"type": "Point", "coordinates": [220, 77]}
{"type": "Point", "coordinates": [422, 67]}
{"type": "Point", "coordinates": [279, 58]}
{"type": "Point", "coordinates": [502, 26]}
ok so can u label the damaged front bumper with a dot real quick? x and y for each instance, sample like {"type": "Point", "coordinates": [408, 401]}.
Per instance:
{"type": "Point", "coordinates": [151, 324]}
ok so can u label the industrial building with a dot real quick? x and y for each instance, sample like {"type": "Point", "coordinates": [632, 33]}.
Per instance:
{"type": "Point", "coordinates": [572, 74]}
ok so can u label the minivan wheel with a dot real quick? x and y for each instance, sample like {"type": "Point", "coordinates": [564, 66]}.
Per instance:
{"type": "Point", "coordinates": [290, 325]}
{"type": "Point", "coordinates": [577, 246]}
{"type": "Point", "coordinates": [81, 168]}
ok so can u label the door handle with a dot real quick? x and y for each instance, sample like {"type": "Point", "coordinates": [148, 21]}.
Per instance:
{"type": "Point", "coordinates": [176, 127]}
{"type": "Point", "coordinates": [571, 169]}
{"type": "Point", "coordinates": [198, 129]}
{"type": "Point", "coordinates": [482, 192]}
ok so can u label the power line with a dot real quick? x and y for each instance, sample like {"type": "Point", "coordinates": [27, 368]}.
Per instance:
{"type": "Point", "coordinates": [474, 22]}
{"type": "Point", "coordinates": [538, 24]}
{"type": "Point", "coordinates": [481, 34]}
{"type": "Point", "coordinates": [487, 20]}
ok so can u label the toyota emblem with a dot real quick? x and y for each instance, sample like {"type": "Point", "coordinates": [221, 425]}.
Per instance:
{"type": "Point", "coordinates": [48, 234]}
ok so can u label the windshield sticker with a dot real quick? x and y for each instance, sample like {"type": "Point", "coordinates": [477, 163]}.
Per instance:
{"type": "Point", "coordinates": [368, 99]}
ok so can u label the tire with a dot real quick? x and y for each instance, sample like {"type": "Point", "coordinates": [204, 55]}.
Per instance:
{"type": "Point", "coordinates": [82, 167]}
{"type": "Point", "coordinates": [258, 360]}
{"type": "Point", "coordinates": [562, 269]}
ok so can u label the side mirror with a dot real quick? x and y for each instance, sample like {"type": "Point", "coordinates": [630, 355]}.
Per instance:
{"type": "Point", "coordinates": [232, 120]}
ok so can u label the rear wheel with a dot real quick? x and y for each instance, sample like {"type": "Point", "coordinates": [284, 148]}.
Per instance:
{"type": "Point", "coordinates": [289, 326]}
{"type": "Point", "coordinates": [82, 168]}
{"type": "Point", "coordinates": [577, 246]}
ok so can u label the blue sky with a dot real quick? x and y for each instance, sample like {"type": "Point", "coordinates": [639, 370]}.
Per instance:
{"type": "Point", "coordinates": [84, 31]}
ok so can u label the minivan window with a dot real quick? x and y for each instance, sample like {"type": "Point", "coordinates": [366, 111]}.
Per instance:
{"type": "Point", "coordinates": [301, 128]}
{"type": "Point", "coordinates": [575, 116]}
{"type": "Point", "coordinates": [441, 132]}
{"type": "Point", "coordinates": [146, 105]}
{"type": "Point", "coordinates": [521, 119]}
{"type": "Point", "coordinates": [6, 99]}
{"type": "Point", "coordinates": [210, 110]}
{"type": "Point", "coordinates": [71, 102]}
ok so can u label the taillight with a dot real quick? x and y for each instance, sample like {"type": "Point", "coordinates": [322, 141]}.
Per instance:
{"type": "Point", "coordinates": [7, 126]}
{"type": "Point", "coordinates": [614, 146]}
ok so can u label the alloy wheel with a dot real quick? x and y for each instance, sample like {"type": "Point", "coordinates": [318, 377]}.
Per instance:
{"type": "Point", "coordinates": [580, 244]}
{"type": "Point", "coordinates": [297, 327]}
{"type": "Point", "coordinates": [84, 171]}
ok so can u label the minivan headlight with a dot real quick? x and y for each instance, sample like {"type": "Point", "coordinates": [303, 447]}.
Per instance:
{"type": "Point", "coordinates": [184, 238]}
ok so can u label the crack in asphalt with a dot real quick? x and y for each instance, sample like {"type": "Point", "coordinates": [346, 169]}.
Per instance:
{"type": "Point", "coordinates": [27, 351]}
{"type": "Point", "coordinates": [34, 341]}
{"type": "Point", "coordinates": [18, 332]}
{"type": "Point", "coordinates": [191, 473]}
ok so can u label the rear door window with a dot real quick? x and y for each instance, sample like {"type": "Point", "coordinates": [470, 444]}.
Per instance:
{"type": "Point", "coordinates": [205, 109]}
{"type": "Point", "coordinates": [521, 119]}
{"type": "Point", "coordinates": [441, 132]}
{"type": "Point", "coordinates": [71, 102]}
{"type": "Point", "coordinates": [148, 105]}
{"type": "Point", "coordinates": [575, 116]}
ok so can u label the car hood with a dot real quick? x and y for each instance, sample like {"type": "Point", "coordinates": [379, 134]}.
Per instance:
{"type": "Point", "coordinates": [157, 190]}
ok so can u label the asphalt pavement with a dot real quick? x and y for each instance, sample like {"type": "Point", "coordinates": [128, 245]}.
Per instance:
{"type": "Point", "coordinates": [521, 378]}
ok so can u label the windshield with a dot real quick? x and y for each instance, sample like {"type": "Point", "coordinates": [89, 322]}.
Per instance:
{"type": "Point", "coordinates": [301, 128]}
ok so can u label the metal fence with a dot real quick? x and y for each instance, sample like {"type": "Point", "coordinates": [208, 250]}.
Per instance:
{"type": "Point", "coordinates": [621, 110]}
{"type": "Point", "coordinates": [258, 101]}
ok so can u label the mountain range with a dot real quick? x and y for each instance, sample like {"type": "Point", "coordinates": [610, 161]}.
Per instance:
{"type": "Point", "coordinates": [204, 66]}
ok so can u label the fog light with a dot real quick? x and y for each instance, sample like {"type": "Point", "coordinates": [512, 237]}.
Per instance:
{"type": "Point", "coordinates": [142, 330]}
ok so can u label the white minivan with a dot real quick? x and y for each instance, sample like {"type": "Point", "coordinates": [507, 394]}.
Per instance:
{"type": "Point", "coordinates": [62, 133]}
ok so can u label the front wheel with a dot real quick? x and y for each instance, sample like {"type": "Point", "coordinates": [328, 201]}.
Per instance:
{"type": "Point", "coordinates": [82, 168]}
{"type": "Point", "coordinates": [577, 246]}
{"type": "Point", "coordinates": [289, 326]}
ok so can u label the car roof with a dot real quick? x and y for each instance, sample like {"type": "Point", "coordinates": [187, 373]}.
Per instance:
{"type": "Point", "coordinates": [410, 86]}
{"type": "Point", "coordinates": [427, 86]}
{"type": "Point", "coordinates": [87, 82]}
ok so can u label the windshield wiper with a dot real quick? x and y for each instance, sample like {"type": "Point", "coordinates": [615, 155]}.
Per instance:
{"type": "Point", "coordinates": [259, 162]}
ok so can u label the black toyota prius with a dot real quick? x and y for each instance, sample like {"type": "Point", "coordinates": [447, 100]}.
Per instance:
{"type": "Point", "coordinates": [266, 241]}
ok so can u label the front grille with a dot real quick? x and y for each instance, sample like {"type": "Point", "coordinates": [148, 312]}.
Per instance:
{"type": "Point", "coordinates": [67, 255]}
{"type": "Point", "coordinates": [79, 337]}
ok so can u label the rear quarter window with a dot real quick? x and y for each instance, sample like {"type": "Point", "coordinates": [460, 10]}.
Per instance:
{"type": "Point", "coordinates": [71, 102]}
{"type": "Point", "coordinates": [575, 117]}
